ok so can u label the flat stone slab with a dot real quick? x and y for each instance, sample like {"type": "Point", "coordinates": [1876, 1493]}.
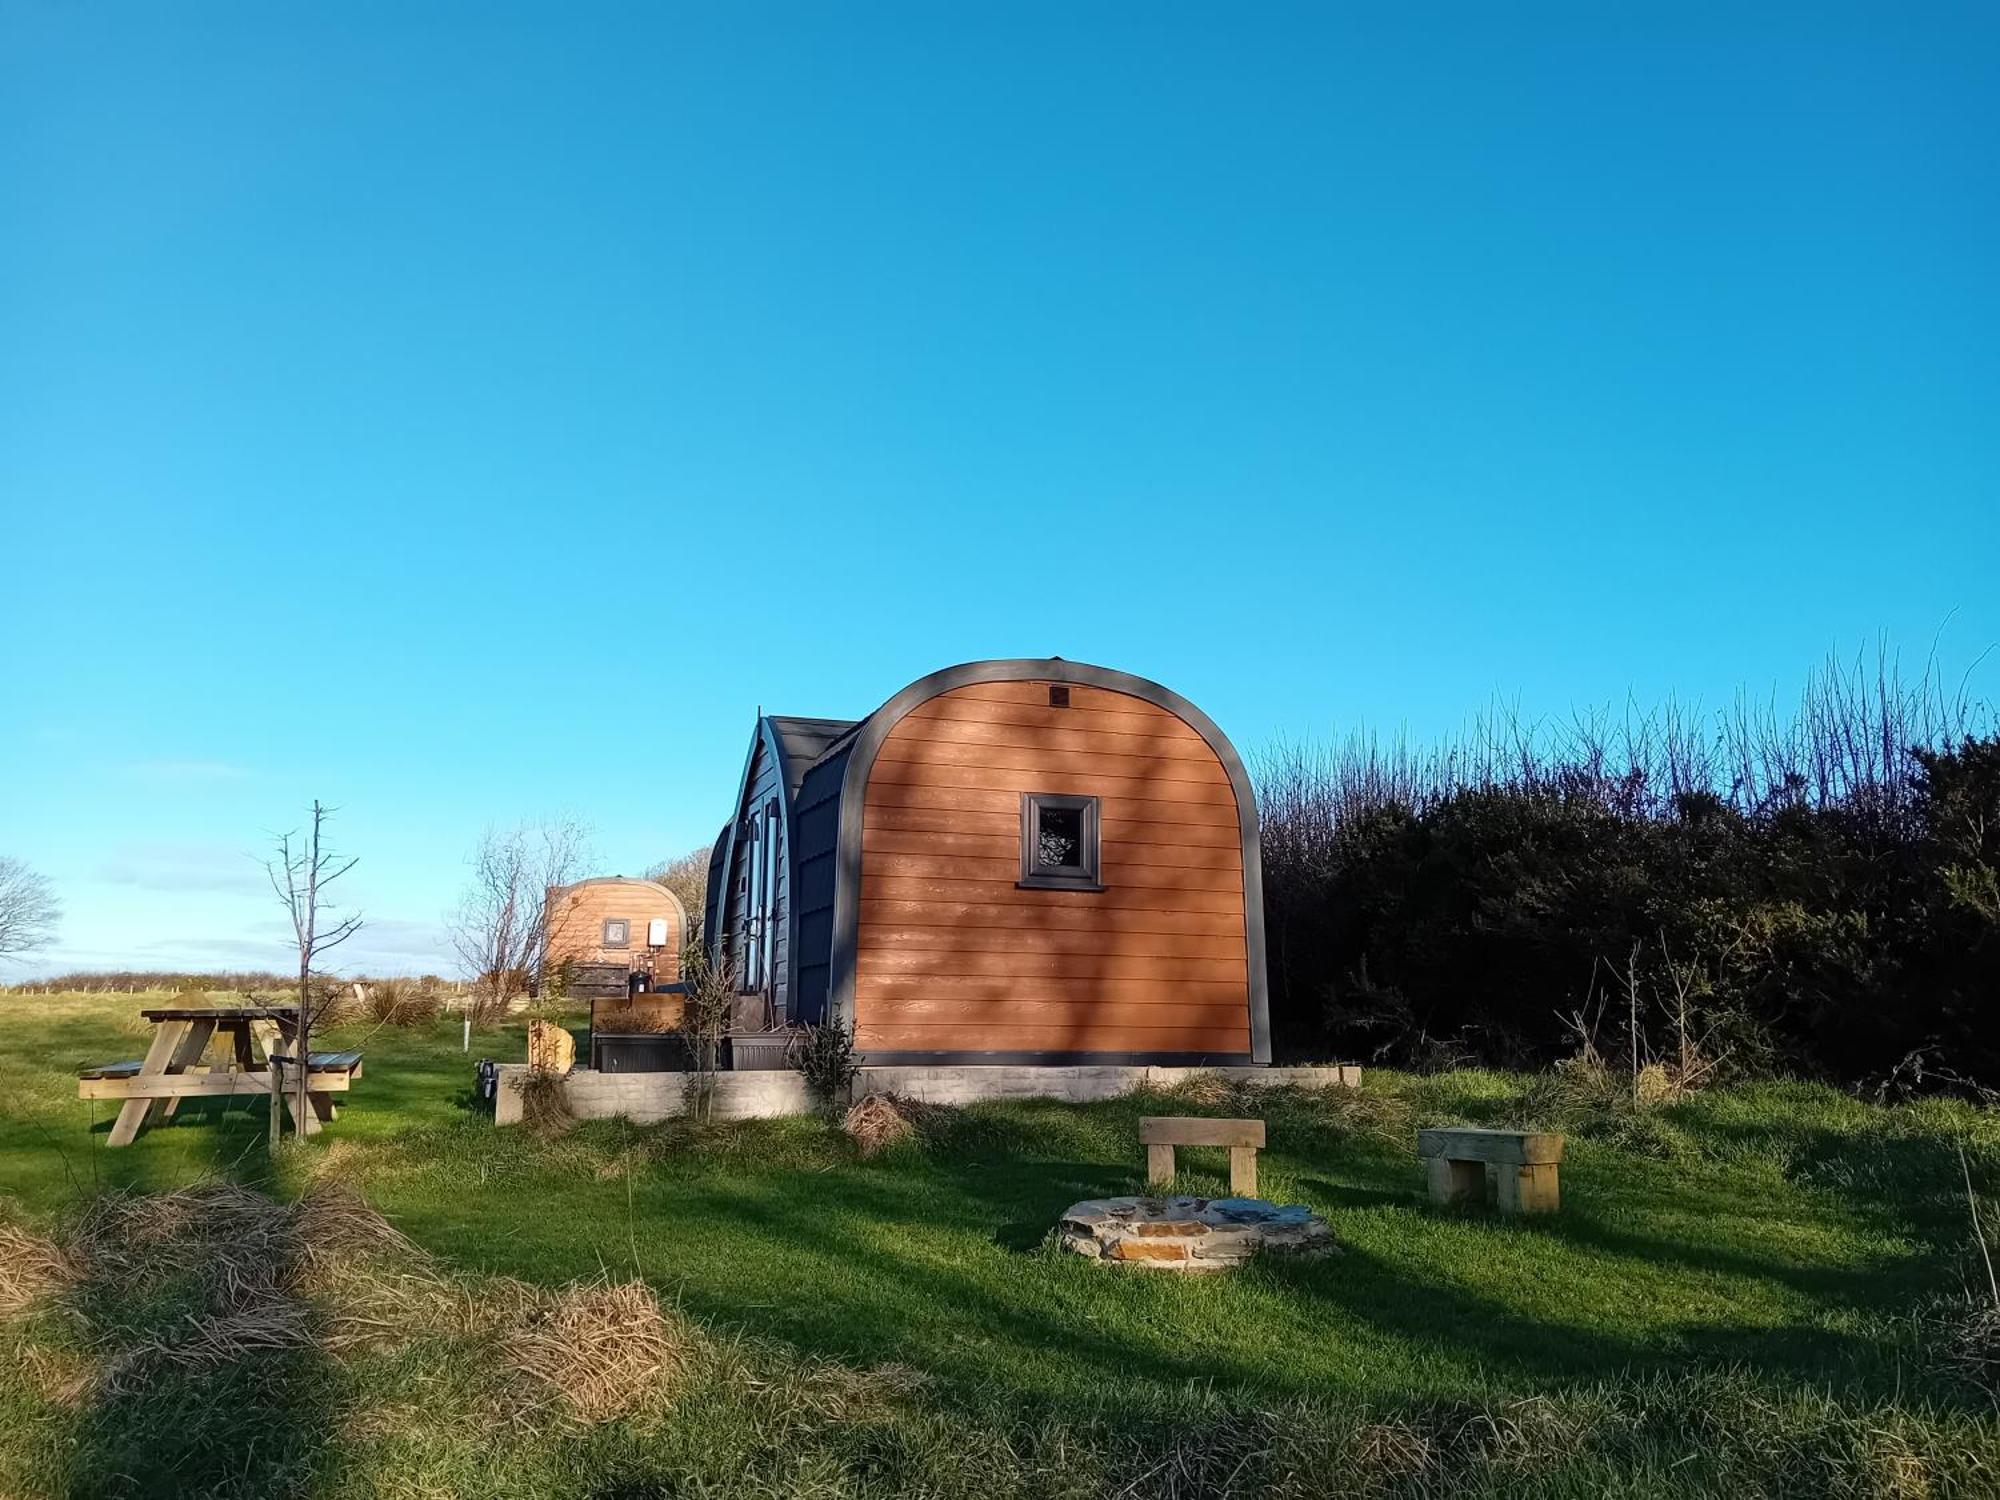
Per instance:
{"type": "Point", "coordinates": [1191, 1234]}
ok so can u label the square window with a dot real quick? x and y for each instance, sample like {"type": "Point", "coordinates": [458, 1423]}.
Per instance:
{"type": "Point", "coordinates": [617, 933]}
{"type": "Point", "coordinates": [1059, 842]}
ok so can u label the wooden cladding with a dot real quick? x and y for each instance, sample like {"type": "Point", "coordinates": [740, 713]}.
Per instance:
{"type": "Point", "coordinates": [577, 915]}
{"type": "Point", "coordinates": [953, 954]}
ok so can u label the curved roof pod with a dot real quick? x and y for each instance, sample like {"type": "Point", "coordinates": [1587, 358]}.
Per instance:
{"type": "Point", "coordinates": [863, 744]}
{"type": "Point", "coordinates": [679, 906]}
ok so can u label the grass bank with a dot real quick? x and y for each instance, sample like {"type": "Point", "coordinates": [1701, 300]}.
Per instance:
{"type": "Point", "coordinates": [1740, 1297]}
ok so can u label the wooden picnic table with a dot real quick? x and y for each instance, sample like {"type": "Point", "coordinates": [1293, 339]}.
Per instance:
{"type": "Point", "coordinates": [260, 1039]}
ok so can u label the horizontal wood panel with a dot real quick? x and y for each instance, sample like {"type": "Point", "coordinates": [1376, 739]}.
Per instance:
{"type": "Point", "coordinates": [1013, 917]}
{"type": "Point", "coordinates": [1205, 812]}
{"type": "Point", "coordinates": [1061, 1037]}
{"type": "Point", "coordinates": [1064, 732]}
{"type": "Point", "coordinates": [1026, 939]}
{"type": "Point", "coordinates": [880, 886]}
{"type": "Point", "coordinates": [1040, 1010]}
{"type": "Point", "coordinates": [953, 956]}
{"type": "Point", "coordinates": [1007, 824]}
{"type": "Point", "coordinates": [1045, 779]}
{"type": "Point", "coordinates": [1054, 762]}
{"type": "Point", "coordinates": [1184, 1130]}
{"type": "Point", "coordinates": [1007, 871]}
{"type": "Point", "coordinates": [1035, 691]}
{"type": "Point", "coordinates": [1233, 990]}
{"type": "Point", "coordinates": [576, 927]}
{"type": "Point", "coordinates": [874, 959]}
{"type": "Point", "coordinates": [1116, 858]}
{"type": "Point", "coordinates": [1144, 719]}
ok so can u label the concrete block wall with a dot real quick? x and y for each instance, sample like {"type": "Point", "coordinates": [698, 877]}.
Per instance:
{"type": "Point", "coordinates": [648, 1097]}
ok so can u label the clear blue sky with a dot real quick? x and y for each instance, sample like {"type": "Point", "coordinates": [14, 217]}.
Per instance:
{"type": "Point", "coordinates": [395, 398]}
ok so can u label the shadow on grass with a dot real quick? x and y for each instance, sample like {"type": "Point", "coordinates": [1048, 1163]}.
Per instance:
{"type": "Point", "coordinates": [200, 1392]}
{"type": "Point", "coordinates": [931, 1255]}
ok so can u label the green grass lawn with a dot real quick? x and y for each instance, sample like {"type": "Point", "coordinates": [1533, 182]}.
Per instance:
{"type": "Point", "coordinates": [1734, 1299]}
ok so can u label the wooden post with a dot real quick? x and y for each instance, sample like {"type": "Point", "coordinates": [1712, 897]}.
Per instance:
{"type": "Point", "coordinates": [1458, 1182]}
{"type": "Point", "coordinates": [277, 1096]}
{"type": "Point", "coordinates": [1527, 1189]}
{"type": "Point", "coordinates": [1159, 1166]}
{"type": "Point", "coordinates": [1243, 1171]}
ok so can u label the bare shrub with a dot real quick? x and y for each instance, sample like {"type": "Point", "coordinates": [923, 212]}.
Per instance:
{"type": "Point", "coordinates": [687, 877]}
{"type": "Point", "coordinates": [824, 1057]}
{"type": "Point", "coordinates": [503, 927]}
{"type": "Point", "coordinates": [708, 997]}
{"type": "Point", "coordinates": [545, 1106]}
{"type": "Point", "coordinates": [402, 1002]}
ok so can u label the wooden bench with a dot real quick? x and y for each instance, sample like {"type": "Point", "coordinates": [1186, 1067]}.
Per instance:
{"type": "Point", "coordinates": [1523, 1165]}
{"type": "Point", "coordinates": [1159, 1134]}
{"type": "Point", "coordinates": [151, 1089]}
{"type": "Point", "coordinates": [320, 1062]}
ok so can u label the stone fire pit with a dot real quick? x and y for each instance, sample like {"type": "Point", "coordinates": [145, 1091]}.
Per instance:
{"type": "Point", "coordinates": [1191, 1234]}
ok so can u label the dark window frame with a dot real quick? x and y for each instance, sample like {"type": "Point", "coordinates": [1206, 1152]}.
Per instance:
{"type": "Point", "coordinates": [604, 933]}
{"type": "Point", "coordinates": [1036, 876]}
{"type": "Point", "coordinates": [749, 978]}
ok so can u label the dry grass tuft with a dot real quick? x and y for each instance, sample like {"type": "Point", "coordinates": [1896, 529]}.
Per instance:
{"type": "Point", "coordinates": [32, 1268]}
{"type": "Point", "coordinates": [1392, 1451]}
{"type": "Point", "coordinates": [594, 1350]}
{"type": "Point", "coordinates": [878, 1122]}
{"type": "Point", "coordinates": [61, 1377]}
{"type": "Point", "coordinates": [331, 1273]}
{"type": "Point", "coordinates": [832, 1392]}
{"type": "Point", "coordinates": [333, 1222]}
{"type": "Point", "coordinates": [1526, 1434]}
{"type": "Point", "coordinates": [1209, 1089]}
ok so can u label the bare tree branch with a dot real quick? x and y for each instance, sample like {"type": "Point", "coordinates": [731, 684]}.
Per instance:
{"type": "Point", "coordinates": [505, 925]}
{"type": "Point", "coordinates": [300, 871]}
{"type": "Point", "coordinates": [28, 909]}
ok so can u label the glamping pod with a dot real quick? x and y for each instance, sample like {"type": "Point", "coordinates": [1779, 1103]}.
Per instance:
{"type": "Point", "coordinates": [611, 919]}
{"type": "Point", "coordinates": [1008, 862]}
{"type": "Point", "coordinates": [620, 941]}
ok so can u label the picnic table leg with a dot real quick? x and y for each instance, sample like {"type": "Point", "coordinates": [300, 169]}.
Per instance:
{"type": "Point", "coordinates": [323, 1105]}
{"type": "Point", "coordinates": [132, 1113]}
{"type": "Point", "coordinates": [186, 1055]}
{"type": "Point", "coordinates": [1159, 1166]}
{"type": "Point", "coordinates": [287, 1089]}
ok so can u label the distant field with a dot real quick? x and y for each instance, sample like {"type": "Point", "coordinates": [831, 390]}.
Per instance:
{"type": "Point", "coordinates": [1737, 1300]}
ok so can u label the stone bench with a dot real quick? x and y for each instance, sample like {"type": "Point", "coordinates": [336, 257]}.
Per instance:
{"type": "Point", "coordinates": [1523, 1165]}
{"type": "Point", "coordinates": [1159, 1134]}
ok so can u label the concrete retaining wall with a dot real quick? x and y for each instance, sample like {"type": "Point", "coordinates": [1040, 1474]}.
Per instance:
{"type": "Point", "coordinates": [646, 1097]}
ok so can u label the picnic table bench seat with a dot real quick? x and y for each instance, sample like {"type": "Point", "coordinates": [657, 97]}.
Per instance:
{"type": "Point", "coordinates": [318, 1062]}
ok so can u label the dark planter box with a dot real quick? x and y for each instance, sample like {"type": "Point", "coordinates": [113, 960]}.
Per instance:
{"type": "Point", "coordinates": [761, 1051]}
{"type": "Point", "coordinates": [640, 1052]}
